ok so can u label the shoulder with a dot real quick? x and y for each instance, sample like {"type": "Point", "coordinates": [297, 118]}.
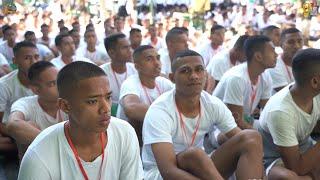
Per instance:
{"type": "Point", "coordinates": [29, 100]}
{"type": "Point", "coordinates": [120, 128]}
{"type": "Point", "coordinates": [9, 77]}
{"type": "Point", "coordinates": [106, 66]}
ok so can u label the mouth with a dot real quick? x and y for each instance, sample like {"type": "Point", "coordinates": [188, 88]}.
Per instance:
{"type": "Point", "coordinates": [194, 84]}
{"type": "Point", "coordinates": [105, 119]}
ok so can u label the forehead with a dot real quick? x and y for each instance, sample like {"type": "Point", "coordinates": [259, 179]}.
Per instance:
{"type": "Point", "coordinates": [49, 74]}
{"type": "Point", "coordinates": [25, 51]}
{"type": "Point", "coordinates": [189, 61]}
{"type": "Point", "coordinates": [296, 35]}
{"type": "Point", "coordinates": [90, 33]}
{"type": "Point", "coordinates": [219, 31]}
{"type": "Point", "coordinates": [122, 42]}
{"type": "Point", "coordinates": [181, 37]}
{"type": "Point", "coordinates": [150, 52]}
{"type": "Point", "coordinates": [93, 85]}
{"type": "Point", "coordinates": [67, 39]}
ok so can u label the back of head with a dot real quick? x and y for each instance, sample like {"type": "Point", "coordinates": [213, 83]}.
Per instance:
{"type": "Point", "coordinates": [268, 30]}
{"type": "Point", "coordinates": [70, 75]}
{"type": "Point", "coordinates": [182, 54]}
{"type": "Point", "coordinates": [288, 31]}
{"type": "Point", "coordinates": [111, 41]}
{"type": "Point", "coordinates": [36, 69]}
{"type": "Point", "coordinates": [305, 65]}
{"type": "Point", "coordinates": [215, 28]}
{"type": "Point", "coordinates": [255, 44]}
{"type": "Point", "coordinates": [173, 33]}
{"type": "Point", "coordinates": [137, 52]}
{"type": "Point", "coordinates": [239, 45]}
{"type": "Point", "coordinates": [6, 28]}
{"type": "Point", "coordinates": [59, 38]}
{"type": "Point", "coordinates": [22, 44]}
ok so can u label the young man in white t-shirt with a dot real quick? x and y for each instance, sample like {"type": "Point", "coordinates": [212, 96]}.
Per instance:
{"type": "Point", "coordinates": [175, 125]}
{"type": "Point", "coordinates": [120, 67]}
{"type": "Point", "coordinates": [140, 90]}
{"type": "Point", "coordinates": [225, 60]}
{"type": "Point", "coordinates": [6, 47]}
{"type": "Point", "coordinates": [66, 47]}
{"type": "Point", "coordinates": [135, 38]}
{"type": "Point", "coordinates": [208, 50]}
{"type": "Point", "coordinates": [30, 115]}
{"type": "Point", "coordinates": [91, 51]}
{"type": "Point", "coordinates": [153, 40]}
{"type": "Point", "coordinates": [288, 120]}
{"type": "Point", "coordinates": [291, 42]}
{"type": "Point", "coordinates": [245, 87]}
{"type": "Point", "coordinates": [273, 32]}
{"type": "Point", "coordinates": [92, 144]}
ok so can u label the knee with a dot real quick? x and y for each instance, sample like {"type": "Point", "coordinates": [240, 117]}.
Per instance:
{"type": "Point", "coordinates": [277, 174]}
{"type": "Point", "coordinates": [192, 155]}
{"type": "Point", "coordinates": [250, 138]}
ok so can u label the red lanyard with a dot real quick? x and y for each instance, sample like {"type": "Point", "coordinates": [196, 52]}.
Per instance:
{"type": "Point", "coordinates": [115, 77]}
{"type": "Point", "coordinates": [146, 92]}
{"type": "Point", "coordinates": [194, 134]}
{"type": "Point", "coordinates": [288, 72]}
{"type": "Point", "coordinates": [75, 152]}
{"type": "Point", "coordinates": [253, 92]}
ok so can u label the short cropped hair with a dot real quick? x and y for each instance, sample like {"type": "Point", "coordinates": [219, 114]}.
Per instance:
{"type": "Point", "coordinates": [239, 45]}
{"type": "Point", "coordinates": [173, 33]}
{"type": "Point", "coordinates": [216, 27]}
{"type": "Point", "coordinates": [267, 30]}
{"type": "Point", "coordinates": [59, 38]}
{"type": "Point", "coordinates": [22, 44]}
{"type": "Point", "coordinates": [255, 44]}
{"type": "Point", "coordinates": [70, 75]}
{"type": "Point", "coordinates": [137, 52]}
{"type": "Point", "coordinates": [111, 41]}
{"type": "Point", "coordinates": [28, 33]}
{"type": "Point", "coordinates": [6, 28]}
{"type": "Point", "coordinates": [288, 31]}
{"type": "Point", "coordinates": [181, 54]}
{"type": "Point", "coordinates": [305, 64]}
{"type": "Point", "coordinates": [134, 30]}
{"type": "Point", "coordinates": [36, 69]}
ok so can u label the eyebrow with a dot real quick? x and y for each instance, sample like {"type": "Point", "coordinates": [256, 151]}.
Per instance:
{"type": "Point", "coordinates": [99, 95]}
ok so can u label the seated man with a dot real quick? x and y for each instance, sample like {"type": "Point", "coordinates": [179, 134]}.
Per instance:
{"type": "Point", "coordinates": [245, 87]}
{"type": "Point", "coordinates": [288, 119]}
{"type": "Point", "coordinates": [92, 144]}
{"type": "Point", "coordinates": [175, 125]}
{"type": "Point", "coordinates": [139, 91]}
{"type": "Point", "coordinates": [30, 115]}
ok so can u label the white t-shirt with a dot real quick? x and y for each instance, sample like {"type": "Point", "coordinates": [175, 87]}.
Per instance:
{"type": "Point", "coordinates": [44, 51]}
{"type": "Point", "coordinates": [281, 74]}
{"type": "Point", "coordinates": [6, 51]}
{"type": "Point", "coordinates": [116, 79]}
{"type": "Point", "coordinates": [32, 111]}
{"type": "Point", "coordinates": [165, 63]}
{"type": "Point", "coordinates": [160, 43]}
{"type": "Point", "coordinates": [98, 55]}
{"type": "Point", "coordinates": [219, 64]}
{"type": "Point", "coordinates": [285, 121]}
{"type": "Point", "coordinates": [11, 90]}
{"type": "Point", "coordinates": [3, 60]}
{"type": "Point", "coordinates": [50, 156]}
{"type": "Point", "coordinates": [235, 88]}
{"type": "Point", "coordinates": [207, 52]}
{"type": "Point", "coordinates": [58, 62]}
{"type": "Point", "coordinates": [162, 124]}
{"type": "Point", "coordinates": [133, 86]}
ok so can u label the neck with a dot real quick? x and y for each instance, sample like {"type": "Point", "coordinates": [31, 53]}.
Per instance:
{"type": "Point", "coordinates": [45, 38]}
{"type": "Point", "coordinates": [23, 78]}
{"type": "Point", "coordinates": [286, 59]}
{"type": "Point", "coordinates": [188, 105]}
{"type": "Point", "coordinates": [147, 81]}
{"type": "Point", "coordinates": [214, 46]}
{"type": "Point", "coordinates": [91, 48]}
{"type": "Point", "coordinates": [233, 57]}
{"type": "Point", "coordinates": [118, 67]}
{"type": "Point", "coordinates": [66, 59]}
{"type": "Point", "coordinates": [301, 98]}
{"type": "Point", "coordinates": [49, 107]}
{"type": "Point", "coordinates": [11, 44]}
{"type": "Point", "coordinates": [82, 138]}
{"type": "Point", "coordinates": [254, 72]}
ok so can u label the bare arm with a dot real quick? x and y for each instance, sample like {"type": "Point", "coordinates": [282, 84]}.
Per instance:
{"type": "Point", "coordinates": [263, 102]}
{"type": "Point", "coordinates": [167, 162]}
{"type": "Point", "coordinates": [233, 132]}
{"type": "Point", "coordinates": [134, 108]}
{"type": "Point", "coordinates": [237, 112]}
{"type": "Point", "coordinates": [22, 131]}
{"type": "Point", "coordinates": [302, 164]}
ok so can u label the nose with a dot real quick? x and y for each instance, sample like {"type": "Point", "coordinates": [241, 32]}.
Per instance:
{"type": "Point", "coordinates": [105, 106]}
{"type": "Point", "coordinates": [194, 75]}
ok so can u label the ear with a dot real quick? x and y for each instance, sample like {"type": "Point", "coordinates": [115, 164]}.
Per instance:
{"type": "Point", "coordinates": [171, 77]}
{"type": "Point", "coordinates": [315, 83]}
{"type": "Point", "coordinates": [14, 60]}
{"type": "Point", "coordinates": [258, 56]}
{"type": "Point", "coordinates": [111, 53]}
{"type": "Point", "coordinates": [137, 66]}
{"type": "Point", "coordinates": [64, 105]}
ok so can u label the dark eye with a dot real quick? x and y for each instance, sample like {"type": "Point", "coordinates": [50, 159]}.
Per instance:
{"type": "Point", "coordinates": [92, 101]}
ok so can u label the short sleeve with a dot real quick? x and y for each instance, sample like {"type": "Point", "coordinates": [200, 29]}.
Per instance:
{"type": "Point", "coordinates": [131, 167]}
{"type": "Point", "coordinates": [21, 106]}
{"type": "Point", "coordinates": [234, 91]}
{"type": "Point", "coordinates": [282, 128]}
{"type": "Point", "coordinates": [224, 119]}
{"type": "Point", "coordinates": [4, 97]}
{"type": "Point", "coordinates": [32, 168]}
{"type": "Point", "coordinates": [157, 126]}
{"type": "Point", "coordinates": [128, 87]}
{"type": "Point", "coordinates": [278, 78]}
{"type": "Point", "coordinates": [267, 87]}
{"type": "Point", "coordinates": [3, 60]}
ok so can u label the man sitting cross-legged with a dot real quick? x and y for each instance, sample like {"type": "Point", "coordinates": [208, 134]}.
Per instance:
{"type": "Point", "coordinates": [288, 120]}
{"type": "Point", "coordinates": [91, 144]}
{"type": "Point", "coordinates": [30, 115]}
{"type": "Point", "coordinates": [139, 91]}
{"type": "Point", "coordinates": [175, 125]}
